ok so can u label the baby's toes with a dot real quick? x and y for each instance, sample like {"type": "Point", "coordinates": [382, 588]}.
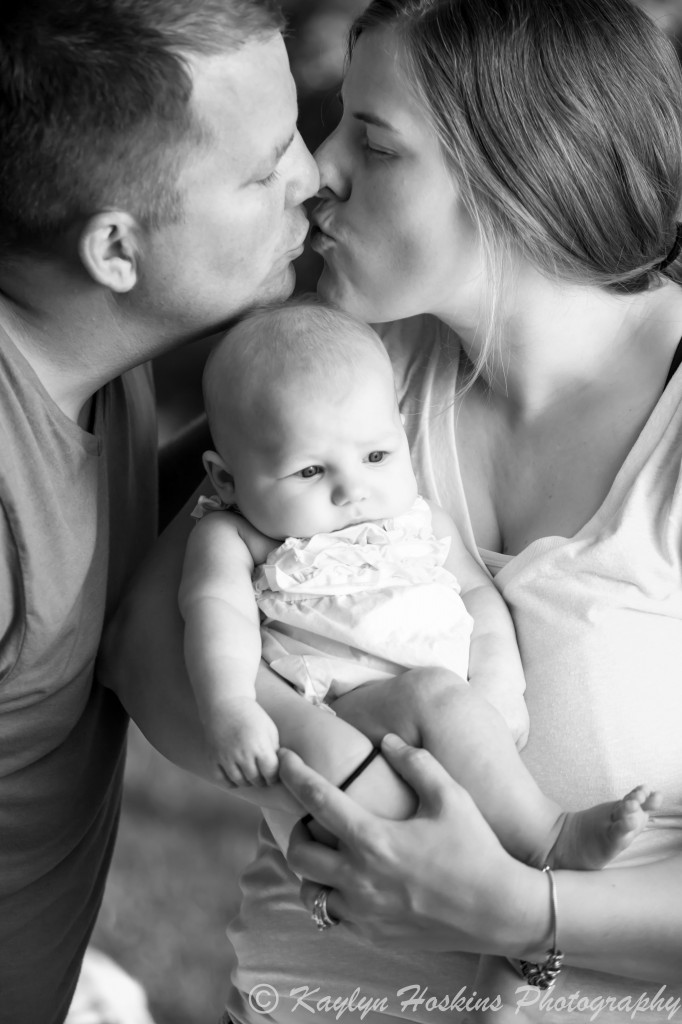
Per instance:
{"type": "Point", "coordinates": [647, 799]}
{"type": "Point", "coordinates": [629, 814]}
{"type": "Point", "coordinates": [637, 795]}
{"type": "Point", "coordinates": [653, 801]}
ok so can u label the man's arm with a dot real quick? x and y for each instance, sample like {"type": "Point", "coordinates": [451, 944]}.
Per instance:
{"type": "Point", "coordinates": [180, 466]}
{"type": "Point", "coordinates": [142, 658]}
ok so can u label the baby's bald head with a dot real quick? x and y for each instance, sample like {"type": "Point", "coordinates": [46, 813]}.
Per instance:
{"type": "Point", "coordinates": [277, 357]}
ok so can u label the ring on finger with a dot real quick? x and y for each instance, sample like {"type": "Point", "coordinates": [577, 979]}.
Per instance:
{"type": "Point", "coordinates": [320, 915]}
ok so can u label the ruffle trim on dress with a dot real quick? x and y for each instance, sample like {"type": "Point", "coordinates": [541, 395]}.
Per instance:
{"type": "Point", "coordinates": [366, 556]}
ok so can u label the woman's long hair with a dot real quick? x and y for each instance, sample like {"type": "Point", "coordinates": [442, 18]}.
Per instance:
{"type": "Point", "coordinates": [561, 121]}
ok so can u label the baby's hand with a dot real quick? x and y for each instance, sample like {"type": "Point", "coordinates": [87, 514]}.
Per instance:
{"type": "Point", "coordinates": [244, 742]}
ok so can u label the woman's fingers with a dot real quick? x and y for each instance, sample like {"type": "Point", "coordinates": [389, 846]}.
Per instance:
{"type": "Point", "coordinates": [385, 872]}
{"type": "Point", "coordinates": [335, 903]}
{"type": "Point", "coordinates": [328, 805]}
{"type": "Point", "coordinates": [421, 772]}
{"type": "Point", "coordinates": [312, 860]}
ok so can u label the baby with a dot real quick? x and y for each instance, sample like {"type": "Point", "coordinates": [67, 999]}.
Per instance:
{"type": "Point", "coordinates": [317, 522]}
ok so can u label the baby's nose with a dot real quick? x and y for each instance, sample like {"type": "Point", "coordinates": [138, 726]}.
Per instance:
{"type": "Point", "coordinates": [348, 492]}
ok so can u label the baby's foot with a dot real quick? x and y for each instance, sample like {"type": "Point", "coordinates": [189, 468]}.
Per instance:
{"type": "Point", "coordinates": [590, 839]}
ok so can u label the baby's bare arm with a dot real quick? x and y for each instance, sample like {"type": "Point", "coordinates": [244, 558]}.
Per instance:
{"type": "Point", "coordinates": [222, 634]}
{"type": "Point", "coordinates": [223, 647]}
{"type": "Point", "coordinates": [143, 663]}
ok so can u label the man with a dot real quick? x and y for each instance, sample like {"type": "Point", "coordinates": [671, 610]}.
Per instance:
{"type": "Point", "coordinates": [151, 181]}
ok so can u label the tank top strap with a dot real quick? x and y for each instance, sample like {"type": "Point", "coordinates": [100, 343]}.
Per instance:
{"type": "Point", "coordinates": [675, 364]}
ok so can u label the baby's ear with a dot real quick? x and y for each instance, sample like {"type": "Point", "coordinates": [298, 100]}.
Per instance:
{"type": "Point", "coordinates": [220, 477]}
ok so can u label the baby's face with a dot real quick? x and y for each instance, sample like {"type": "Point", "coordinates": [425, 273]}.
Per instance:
{"type": "Point", "coordinates": [328, 461]}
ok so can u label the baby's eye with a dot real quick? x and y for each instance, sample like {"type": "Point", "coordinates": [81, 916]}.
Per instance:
{"type": "Point", "coordinates": [376, 456]}
{"type": "Point", "coordinates": [310, 471]}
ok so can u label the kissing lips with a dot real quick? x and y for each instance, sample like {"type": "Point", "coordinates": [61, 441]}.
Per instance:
{"type": "Point", "coordinates": [320, 240]}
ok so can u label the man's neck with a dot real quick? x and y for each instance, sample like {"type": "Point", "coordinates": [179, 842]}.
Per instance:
{"type": "Point", "coordinates": [67, 330]}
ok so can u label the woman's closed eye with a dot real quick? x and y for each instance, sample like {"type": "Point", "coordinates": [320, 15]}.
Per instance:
{"type": "Point", "coordinates": [367, 142]}
{"type": "Point", "coordinates": [372, 149]}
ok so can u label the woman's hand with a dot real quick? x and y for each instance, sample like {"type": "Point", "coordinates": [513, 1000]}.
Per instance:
{"type": "Point", "coordinates": [439, 880]}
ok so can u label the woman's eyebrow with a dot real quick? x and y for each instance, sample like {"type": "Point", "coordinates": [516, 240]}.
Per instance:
{"type": "Point", "coordinates": [375, 120]}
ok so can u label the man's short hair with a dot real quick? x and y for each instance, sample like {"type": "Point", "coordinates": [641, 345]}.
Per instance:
{"type": "Point", "coordinates": [95, 106]}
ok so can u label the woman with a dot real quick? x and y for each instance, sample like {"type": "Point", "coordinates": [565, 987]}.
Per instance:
{"type": "Point", "coordinates": [519, 165]}
{"type": "Point", "coordinates": [505, 183]}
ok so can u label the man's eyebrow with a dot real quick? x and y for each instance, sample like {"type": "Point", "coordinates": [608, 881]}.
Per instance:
{"type": "Point", "coordinates": [281, 150]}
{"type": "Point", "coordinates": [275, 156]}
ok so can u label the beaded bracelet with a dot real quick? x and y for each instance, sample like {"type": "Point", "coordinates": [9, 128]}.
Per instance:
{"type": "Point", "coordinates": [543, 975]}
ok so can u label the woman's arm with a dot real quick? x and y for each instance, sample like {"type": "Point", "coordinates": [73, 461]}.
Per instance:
{"type": "Point", "coordinates": [441, 880]}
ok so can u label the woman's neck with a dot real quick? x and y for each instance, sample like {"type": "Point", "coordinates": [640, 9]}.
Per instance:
{"type": "Point", "coordinates": [579, 374]}
{"type": "Point", "coordinates": [558, 341]}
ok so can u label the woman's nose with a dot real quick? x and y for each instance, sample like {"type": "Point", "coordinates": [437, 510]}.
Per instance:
{"type": "Point", "coordinates": [334, 169]}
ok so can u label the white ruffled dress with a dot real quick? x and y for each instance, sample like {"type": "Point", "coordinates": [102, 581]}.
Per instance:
{"type": "Point", "coordinates": [361, 604]}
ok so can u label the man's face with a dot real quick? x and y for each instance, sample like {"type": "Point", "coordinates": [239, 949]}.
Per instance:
{"type": "Point", "coordinates": [243, 222]}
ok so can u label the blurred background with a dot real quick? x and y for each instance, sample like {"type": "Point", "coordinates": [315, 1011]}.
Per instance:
{"type": "Point", "coordinates": [182, 843]}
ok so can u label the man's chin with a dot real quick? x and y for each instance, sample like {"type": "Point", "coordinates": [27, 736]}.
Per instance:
{"type": "Point", "coordinates": [277, 288]}
{"type": "Point", "coordinates": [284, 288]}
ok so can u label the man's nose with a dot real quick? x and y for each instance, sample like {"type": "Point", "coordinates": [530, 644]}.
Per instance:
{"type": "Point", "coordinates": [305, 179]}
{"type": "Point", "coordinates": [332, 164]}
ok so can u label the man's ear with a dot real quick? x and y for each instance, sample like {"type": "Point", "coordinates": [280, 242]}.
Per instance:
{"type": "Point", "coordinates": [220, 477]}
{"type": "Point", "coordinates": [108, 247]}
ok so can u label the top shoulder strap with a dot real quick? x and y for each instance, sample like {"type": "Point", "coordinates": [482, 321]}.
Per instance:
{"type": "Point", "coordinates": [674, 366]}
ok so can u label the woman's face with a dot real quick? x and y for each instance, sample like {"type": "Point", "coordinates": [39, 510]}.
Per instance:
{"type": "Point", "coordinates": [394, 235]}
